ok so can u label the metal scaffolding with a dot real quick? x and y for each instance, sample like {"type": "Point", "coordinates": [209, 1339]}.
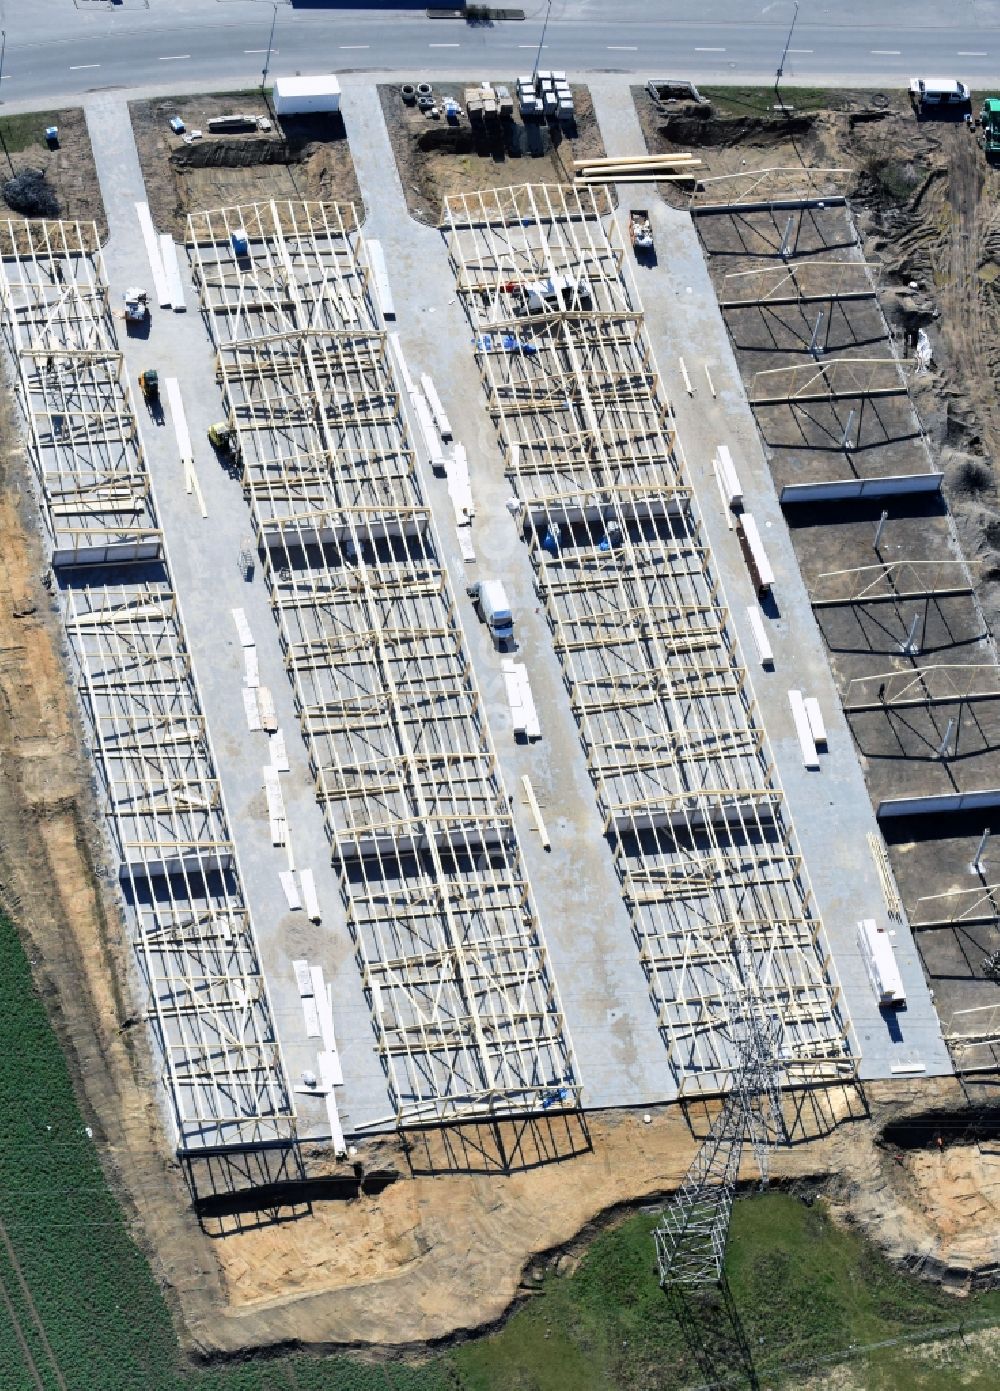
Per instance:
{"type": "Point", "coordinates": [691, 801]}
{"type": "Point", "coordinates": [467, 1013]}
{"type": "Point", "coordinates": [780, 182]}
{"type": "Point", "coordinates": [836, 379]}
{"type": "Point", "coordinates": [798, 282]}
{"type": "Point", "coordinates": [194, 943]}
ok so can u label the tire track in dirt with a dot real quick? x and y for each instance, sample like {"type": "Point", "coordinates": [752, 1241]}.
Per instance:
{"type": "Point", "coordinates": [32, 1308]}
{"type": "Point", "coordinates": [963, 295]}
{"type": "Point", "coordinates": [15, 1324]}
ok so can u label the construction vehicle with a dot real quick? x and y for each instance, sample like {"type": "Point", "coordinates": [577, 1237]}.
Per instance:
{"type": "Point", "coordinates": [136, 305]}
{"type": "Point", "coordinates": [989, 119]}
{"type": "Point", "coordinates": [222, 436]}
{"type": "Point", "coordinates": [641, 230]}
{"type": "Point", "coordinates": [493, 609]}
{"type": "Point", "coordinates": [149, 385]}
{"type": "Point", "coordinates": [928, 94]}
{"type": "Point", "coordinates": [226, 443]}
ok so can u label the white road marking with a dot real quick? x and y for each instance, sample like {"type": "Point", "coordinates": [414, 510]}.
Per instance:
{"type": "Point", "coordinates": [710, 50]}
{"type": "Point", "coordinates": [800, 50]}
{"type": "Point", "coordinates": [175, 57]}
{"type": "Point", "coordinates": [78, 67]}
{"type": "Point", "coordinates": [274, 51]}
{"type": "Point", "coordinates": [345, 46]}
{"type": "Point", "coordinates": [623, 48]}
{"type": "Point", "coordinates": [971, 54]}
{"type": "Point", "coordinates": [885, 52]}
{"type": "Point", "coordinates": [444, 45]}
{"type": "Point", "coordinates": [528, 45]}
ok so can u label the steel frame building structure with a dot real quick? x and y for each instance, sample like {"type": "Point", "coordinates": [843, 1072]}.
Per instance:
{"type": "Point", "coordinates": [939, 714]}
{"type": "Point", "coordinates": [706, 855]}
{"type": "Point", "coordinates": [84, 441]}
{"type": "Point", "coordinates": [465, 1008]}
{"type": "Point", "coordinates": [181, 891]}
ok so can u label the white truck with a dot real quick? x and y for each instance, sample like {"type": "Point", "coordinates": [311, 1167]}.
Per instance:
{"type": "Point", "coordinates": [880, 960]}
{"type": "Point", "coordinates": [929, 92]}
{"type": "Point", "coordinates": [493, 608]}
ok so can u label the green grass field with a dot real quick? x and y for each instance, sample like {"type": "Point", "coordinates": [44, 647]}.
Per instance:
{"type": "Point", "coordinates": [28, 128]}
{"type": "Point", "coordinates": [79, 1308]}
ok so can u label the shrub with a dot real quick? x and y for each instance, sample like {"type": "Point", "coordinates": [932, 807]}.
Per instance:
{"type": "Point", "coordinates": [29, 192]}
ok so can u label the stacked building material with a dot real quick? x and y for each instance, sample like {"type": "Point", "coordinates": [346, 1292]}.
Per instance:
{"type": "Point", "coordinates": [637, 169]}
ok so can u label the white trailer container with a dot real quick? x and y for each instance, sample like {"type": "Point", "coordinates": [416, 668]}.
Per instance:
{"type": "Point", "coordinates": [880, 960]}
{"type": "Point", "coordinates": [493, 608]}
{"type": "Point", "coordinates": [304, 96]}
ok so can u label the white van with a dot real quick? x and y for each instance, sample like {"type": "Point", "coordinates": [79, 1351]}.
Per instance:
{"type": "Point", "coordinates": [938, 91]}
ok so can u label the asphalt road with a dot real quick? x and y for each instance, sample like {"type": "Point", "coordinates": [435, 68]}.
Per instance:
{"type": "Point", "coordinates": [57, 48]}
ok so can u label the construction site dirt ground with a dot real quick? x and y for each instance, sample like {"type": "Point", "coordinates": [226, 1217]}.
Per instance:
{"type": "Point", "coordinates": [435, 159]}
{"type": "Point", "coordinates": [301, 157]}
{"type": "Point", "coordinates": [443, 1249]}
{"type": "Point", "coordinates": [68, 167]}
{"type": "Point", "coordinates": [925, 200]}
{"type": "Point", "coordinates": [446, 1248]}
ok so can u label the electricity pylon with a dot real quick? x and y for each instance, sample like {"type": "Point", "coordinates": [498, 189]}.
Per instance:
{"type": "Point", "coordinates": [692, 1233]}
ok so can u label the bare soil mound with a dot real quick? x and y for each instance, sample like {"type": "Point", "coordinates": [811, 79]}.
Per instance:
{"type": "Point", "coordinates": [699, 126]}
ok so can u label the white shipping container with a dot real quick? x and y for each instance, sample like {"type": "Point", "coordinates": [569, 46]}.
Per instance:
{"type": "Point", "coordinates": [880, 959]}
{"type": "Point", "coordinates": [299, 96]}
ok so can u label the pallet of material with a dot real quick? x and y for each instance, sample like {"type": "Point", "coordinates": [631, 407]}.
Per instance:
{"type": "Point", "coordinates": [760, 637]}
{"type": "Point", "coordinates": [309, 897]}
{"type": "Point", "coordinates": [383, 290]}
{"type": "Point", "coordinates": [754, 554]}
{"type": "Point", "coordinates": [303, 976]}
{"type": "Point", "coordinates": [275, 807]}
{"type": "Point", "coordinates": [252, 709]}
{"type": "Point", "coordinates": [251, 675]}
{"type": "Point", "coordinates": [803, 729]}
{"type": "Point", "coordinates": [815, 717]}
{"type": "Point", "coordinates": [278, 752]}
{"type": "Point", "coordinates": [268, 715]}
{"type": "Point", "coordinates": [611, 162]}
{"type": "Point", "coordinates": [590, 180]}
{"type": "Point", "coordinates": [524, 716]}
{"type": "Point", "coordinates": [287, 877]}
{"type": "Point", "coordinates": [243, 628]}
{"type": "Point", "coordinates": [729, 480]}
{"type": "Point", "coordinates": [438, 412]}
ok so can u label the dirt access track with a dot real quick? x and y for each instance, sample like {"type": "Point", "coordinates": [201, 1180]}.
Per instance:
{"type": "Point", "coordinates": [435, 158]}
{"type": "Point", "coordinates": [299, 157]}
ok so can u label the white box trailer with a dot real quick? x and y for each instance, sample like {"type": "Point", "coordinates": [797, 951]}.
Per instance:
{"type": "Point", "coordinates": [880, 959]}
{"type": "Point", "coordinates": [304, 96]}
